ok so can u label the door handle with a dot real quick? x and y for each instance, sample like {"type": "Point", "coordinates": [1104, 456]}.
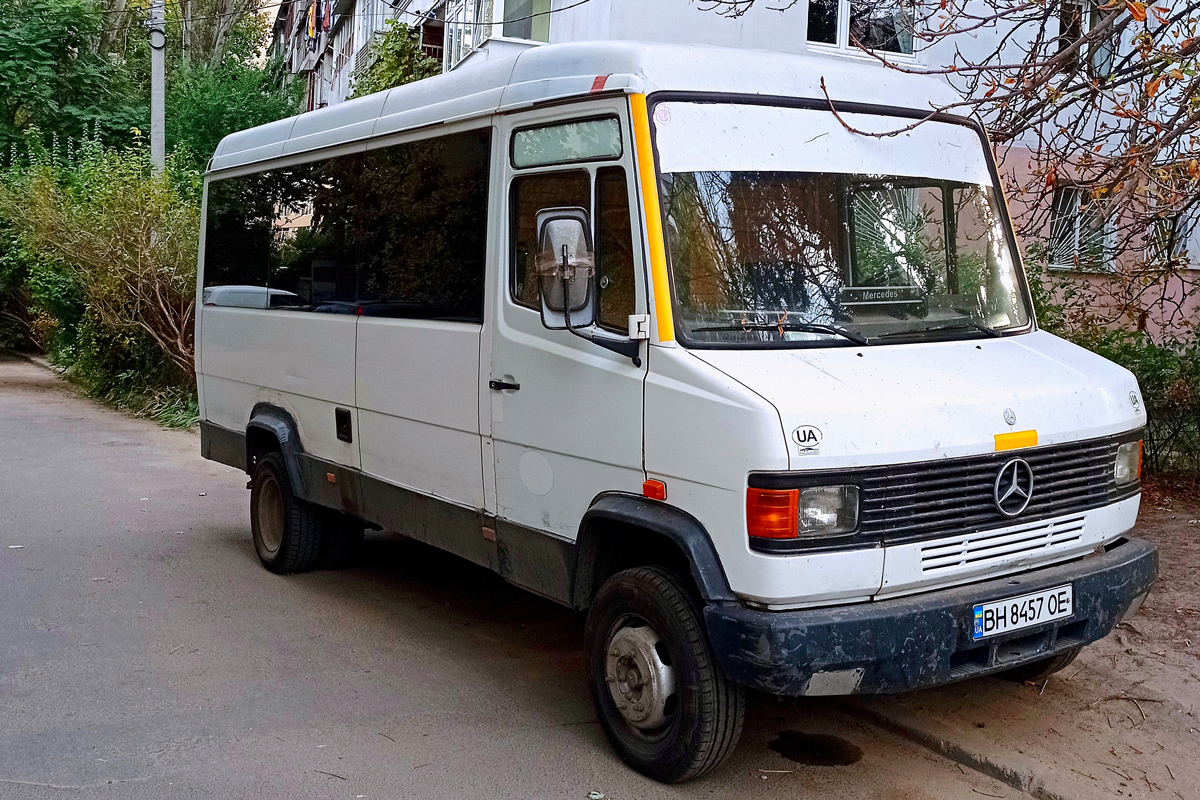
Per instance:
{"type": "Point", "coordinates": [503, 386]}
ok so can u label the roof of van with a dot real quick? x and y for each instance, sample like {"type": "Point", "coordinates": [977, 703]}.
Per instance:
{"type": "Point", "coordinates": [496, 81]}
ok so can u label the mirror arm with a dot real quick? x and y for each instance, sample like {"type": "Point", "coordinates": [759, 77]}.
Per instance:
{"type": "Point", "coordinates": [630, 348]}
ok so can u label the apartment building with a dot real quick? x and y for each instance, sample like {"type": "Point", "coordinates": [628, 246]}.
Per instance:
{"type": "Point", "coordinates": [326, 41]}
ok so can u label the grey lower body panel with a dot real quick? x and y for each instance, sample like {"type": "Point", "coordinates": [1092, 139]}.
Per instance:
{"type": "Point", "coordinates": [533, 560]}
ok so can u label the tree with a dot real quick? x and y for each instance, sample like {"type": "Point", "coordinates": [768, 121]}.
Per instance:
{"type": "Point", "coordinates": [205, 103]}
{"type": "Point", "coordinates": [397, 59]}
{"type": "Point", "coordinates": [1105, 94]}
{"type": "Point", "coordinates": [53, 73]}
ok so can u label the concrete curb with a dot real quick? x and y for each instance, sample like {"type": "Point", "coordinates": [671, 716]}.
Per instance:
{"type": "Point", "coordinates": [1019, 772]}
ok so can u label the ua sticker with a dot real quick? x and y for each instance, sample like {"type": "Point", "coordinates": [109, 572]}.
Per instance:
{"type": "Point", "coordinates": [808, 437]}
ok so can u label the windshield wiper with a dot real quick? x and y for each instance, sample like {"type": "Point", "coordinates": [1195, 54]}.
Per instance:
{"type": "Point", "coordinates": [960, 324]}
{"type": "Point", "coordinates": [802, 327]}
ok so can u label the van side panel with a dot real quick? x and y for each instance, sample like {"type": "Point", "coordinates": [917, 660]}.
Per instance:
{"type": "Point", "coordinates": [418, 400]}
{"type": "Point", "coordinates": [301, 362]}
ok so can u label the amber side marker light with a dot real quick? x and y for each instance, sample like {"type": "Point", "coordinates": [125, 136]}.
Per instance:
{"type": "Point", "coordinates": [772, 513]}
{"type": "Point", "coordinates": [655, 490]}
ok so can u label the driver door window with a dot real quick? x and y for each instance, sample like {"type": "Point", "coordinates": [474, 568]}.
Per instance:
{"type": "Point", "coordinates": [608, 206]}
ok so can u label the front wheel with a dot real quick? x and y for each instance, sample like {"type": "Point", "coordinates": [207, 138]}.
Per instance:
{"type": "Point", "coordinates": [663, 700]}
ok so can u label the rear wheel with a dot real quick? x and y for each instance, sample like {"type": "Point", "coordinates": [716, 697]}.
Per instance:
{"type": "Point", "coordinates": [287, 530]}
{"type": "Point", "coordinates": [663, 700]}
{"type": "Point", "coordinates": [1040, 670]}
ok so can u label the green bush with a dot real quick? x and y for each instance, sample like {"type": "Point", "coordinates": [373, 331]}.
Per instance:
{"type": "Point", "coordinates": [1169, 376]}
{"type": "Point", "coordinates": [105, 253]}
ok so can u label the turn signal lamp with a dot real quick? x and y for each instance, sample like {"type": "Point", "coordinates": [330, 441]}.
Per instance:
{"type": "Point", "coordinates": [772, 513]}
{"type": "Point", "coordinates": [655, 490]}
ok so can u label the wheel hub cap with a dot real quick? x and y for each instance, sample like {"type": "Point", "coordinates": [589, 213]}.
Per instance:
{"type": "Point", "coordinates": [270, 516]}
{"type": "Point", "coordinates": [639, 681]}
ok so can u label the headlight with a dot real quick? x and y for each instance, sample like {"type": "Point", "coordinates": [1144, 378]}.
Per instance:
{"type": "Point", "coordinates": [1127, 467]}
{"type": "Point", "coordinates": [827, 510]}
{"type": "Point", "coordinates": [794, 513]}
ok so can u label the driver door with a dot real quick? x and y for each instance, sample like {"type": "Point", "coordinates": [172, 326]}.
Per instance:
{"type": "Point", "coordinates": [565, 418]}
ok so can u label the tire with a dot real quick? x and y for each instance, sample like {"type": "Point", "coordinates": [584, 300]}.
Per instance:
{"type": "Point", "coordinates": [650, 610]}
{"type": "Point", "coordinates": [341, 541]}
{"type": "Point", "coordinates": [1040, 670]}
{"type": "Point", "coordinates": [287, 530]}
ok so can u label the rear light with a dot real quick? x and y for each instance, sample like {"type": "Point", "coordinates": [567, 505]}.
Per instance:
{"type": "Point", "coordinates": [772, 513]}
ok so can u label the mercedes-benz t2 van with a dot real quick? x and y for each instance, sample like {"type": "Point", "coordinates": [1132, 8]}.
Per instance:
{"type": "Point", "coordinates": [658, 333]}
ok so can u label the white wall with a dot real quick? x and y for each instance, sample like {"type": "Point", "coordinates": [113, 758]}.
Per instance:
{"type": "Point", "coordinates": [680, 21]}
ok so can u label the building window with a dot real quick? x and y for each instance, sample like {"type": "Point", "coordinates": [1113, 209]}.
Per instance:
{"type": "Point", "coordinates": [1080, 236]}
{"type": "Point", "coordinates": [882, 25]}
{"type": "Point", "coordinates": [1076, 19]}
{"type": "Point", "coordinates": [527, 19]}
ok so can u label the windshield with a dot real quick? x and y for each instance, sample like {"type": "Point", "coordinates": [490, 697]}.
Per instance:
{"type": "Point", "coordinates": [786, 229]}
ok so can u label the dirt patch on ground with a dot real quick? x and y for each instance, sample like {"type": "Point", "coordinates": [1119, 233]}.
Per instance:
{"type": "Point", "coordinates": [1121, 720]}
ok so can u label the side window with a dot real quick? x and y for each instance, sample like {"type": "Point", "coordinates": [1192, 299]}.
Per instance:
{"type": "Point", "coordinates": [396, 232]}
{"type": "Point", "coordinates": [422, 217]}
{"type": "Point", "coordinates": [314, 254]}
{"type": "Point", "coordinates": [614, 249]}
{"type": "Point", "coordinates": [237, 242]}
{"type": "Point", "coordinates": [529, 195]}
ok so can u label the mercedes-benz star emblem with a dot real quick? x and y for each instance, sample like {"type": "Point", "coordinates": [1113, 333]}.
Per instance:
{"type": "Point", "coordinates": [1014, 487]}
{"type": "Point", "coordinates": [1010, 416]}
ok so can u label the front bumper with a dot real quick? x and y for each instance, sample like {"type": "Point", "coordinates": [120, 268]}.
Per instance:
{"type": "Point", "coordinates": [923, 640]}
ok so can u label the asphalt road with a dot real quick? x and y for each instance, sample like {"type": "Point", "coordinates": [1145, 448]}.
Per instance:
{"type": "Point", "coordinates": [144, 653]}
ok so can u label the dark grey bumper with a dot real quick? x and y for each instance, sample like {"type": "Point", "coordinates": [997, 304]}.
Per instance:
{"type": "Point", "coordinates": [924, 640]}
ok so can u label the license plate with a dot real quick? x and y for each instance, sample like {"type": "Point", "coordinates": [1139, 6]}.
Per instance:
{"type": "Point", "coordinates": [1015, 613]}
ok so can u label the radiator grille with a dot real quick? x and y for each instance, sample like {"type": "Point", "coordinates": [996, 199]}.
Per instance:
{"type": "Point", "coordinates": [931, 498]}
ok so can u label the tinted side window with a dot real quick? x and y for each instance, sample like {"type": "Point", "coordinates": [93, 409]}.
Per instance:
{"type": "Point", "coordinates": [397, 232]}
{"type": "Point", "coordinates": [281, 239]}
{"type": "Point", "coordinates": [421, 213]}
{"type": "Point", "coordinates": [314, 250]}
{"type": "Point", "coordinates": [614, 249]}
{"type": "Point", "coordinates": [237, 241]}
{"type": "Point", "coordinates": [529, 195]}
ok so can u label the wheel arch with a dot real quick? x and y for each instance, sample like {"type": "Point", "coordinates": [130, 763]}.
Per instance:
{"type": "Point", "coordinates": [270, 423]}
{"type": "Point", "coordinates": [617, 522]}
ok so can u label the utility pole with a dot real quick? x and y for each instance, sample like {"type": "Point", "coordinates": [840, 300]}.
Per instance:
{"type": "Point", "coordinates": [158, 76]}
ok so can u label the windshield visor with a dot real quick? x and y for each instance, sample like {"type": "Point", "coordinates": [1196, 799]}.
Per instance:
{"type": "Point", "coordinates": [786, 229]}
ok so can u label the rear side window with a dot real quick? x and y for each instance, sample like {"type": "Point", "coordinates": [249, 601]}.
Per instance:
{"type": "Point", "coordinates": [395, 232]}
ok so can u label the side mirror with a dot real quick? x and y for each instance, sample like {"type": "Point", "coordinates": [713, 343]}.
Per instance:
{"type": "Point", "coordinates": [566, 270]}
{"type": "Point", "coordinates": [565, 267]}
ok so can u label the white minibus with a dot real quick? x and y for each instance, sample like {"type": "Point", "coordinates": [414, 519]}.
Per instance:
{"type": "Point", "coordinates": [664, 334]}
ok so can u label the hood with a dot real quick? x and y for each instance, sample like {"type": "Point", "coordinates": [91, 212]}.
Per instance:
{"type": "Point", "coordinates": [861, 406]}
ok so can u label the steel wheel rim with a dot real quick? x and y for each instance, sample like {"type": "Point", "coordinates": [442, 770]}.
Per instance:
{"type": "Point", "coordinates": [641, 677]}
{"type": "Point", "coordinates": [270, 515]}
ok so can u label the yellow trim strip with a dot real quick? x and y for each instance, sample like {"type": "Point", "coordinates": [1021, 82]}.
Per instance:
{"type": "Point", "coordinates": [663, 316]}
{"type": "Point", "coordinates": [1016, 440]}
